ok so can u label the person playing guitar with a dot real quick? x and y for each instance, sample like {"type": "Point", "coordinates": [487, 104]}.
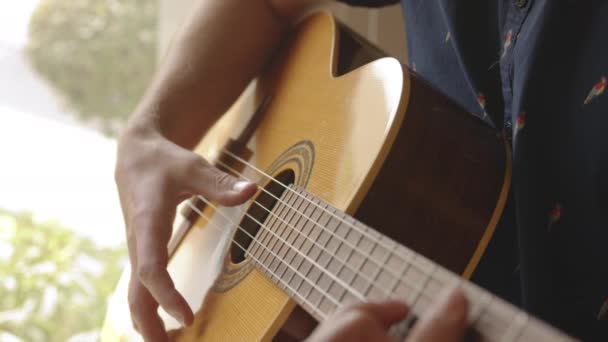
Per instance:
{"type": "Point", "coordinates": [532, 69]}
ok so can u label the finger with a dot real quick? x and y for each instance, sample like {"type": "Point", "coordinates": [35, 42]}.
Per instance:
{"type": "Point", "coordinates": [144, 313]}
{"type": "Point", "coordinates": [359, 322]}
{"type": "Point", "coordinates": [153, 229]}
{"type": "Point", "coordinates": [386, 313]}
{"type": "Point", "coordinates": [219, 186]}
{"type": "Point", "coordinates": [154, 330]}
{"type": "Point", "coordinates": [446, 321]}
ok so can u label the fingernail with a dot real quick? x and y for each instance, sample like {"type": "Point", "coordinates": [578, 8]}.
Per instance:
{"type": "Point", "coordinates": [240, 186]}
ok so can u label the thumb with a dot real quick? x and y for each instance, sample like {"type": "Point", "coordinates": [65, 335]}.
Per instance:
{"type": "Point", "coordinates": [220, 186]}
{"type": "Point", "coordinates": [446, 321]}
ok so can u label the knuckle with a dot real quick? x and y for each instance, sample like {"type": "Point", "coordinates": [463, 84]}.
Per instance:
{"type": "Point", "coordinates": [223, 181]}
{"type": "Point", "coordinates": [147, 271]}
{"type": "Point", "coordinates": [192, 163]}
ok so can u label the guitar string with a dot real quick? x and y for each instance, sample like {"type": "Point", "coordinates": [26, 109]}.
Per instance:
{"type": "Point", "coordinates": [420, 292]}
{"type": "Point", "coordinates": [336, 302]}
{"type": "Point", "coordinates": [344, 262]}
{"type": "Point", "coordinates": [316, 308]}
{"type": "Point", "coordinates": [305, 300]}
{"type": "Point", "coordinates": [389, 250]}
{"type": "Point", "coordinates": [331, 275]}
{"type": "Point", "coordinates": [416, 289]}
{"type": "Point", "coordinates": [367, 256]}
{"type": "Point", "coordinates": [253, 167]}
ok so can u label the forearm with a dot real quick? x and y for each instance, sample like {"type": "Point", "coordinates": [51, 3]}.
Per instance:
{"type": "Point", "coordinates": [218, 51]}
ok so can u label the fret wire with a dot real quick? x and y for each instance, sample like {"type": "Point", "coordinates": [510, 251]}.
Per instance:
{"type": "Point", "coordinates": [378, 270]}
{"type": "Point", "coordinates": [313, 265]}
{"type": "Point", "coordinates": [302, 260]}
{"type": "Point", "coordinates": [293, 275]}
{"type": "Point", "coordinates": [305, 301]}
{"type": "Point", "coordinates": [321, 272]}
{"type": "Point", "coordinates": [350, 254]}
{"type": "Point", "coordinates": [287, 244]}
{"type": "Point", "coordinates": [402, 274]}
{"type": "Point", "coordinates": [302, 244]}
{"type": "Point", "coordinates": [343, 263]}
{"type": "Point", "coordinates": [324, 267]}
{"type": "Point", "coordinates": [515, 329]}
{"type": "Point", "coordinates": [402, 330]}
{"type": "Point", "coordinates": [269, 240]}
{"type": "Point", "coordinates": [420, 291]}
{"type": "Point", "coordinates": [254, 249]}
{"type": "Point", "coordinates": [246, 232]}
{"type": "Point", "coordinates": [236, 173]}
{"type": "Point", "coordinates": [265, 238]}
{"type": "Point", "coordinates": [271, 244]}
{"type": "Point", "coordinates": [370, 283]}
{"type": "Point", "coordinates": [482, 307]}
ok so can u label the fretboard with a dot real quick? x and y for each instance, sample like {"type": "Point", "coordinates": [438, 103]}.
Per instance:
{"type": "Point", "coordinates": [325, 259]}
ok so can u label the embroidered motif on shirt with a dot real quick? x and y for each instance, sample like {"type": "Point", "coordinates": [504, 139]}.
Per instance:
{"type": "Point", "coordinates": [448, 36]}
{"type": "Point", "coordinates": [507, 43]}
{"type": "Point", "coordinates": [520, 123]}
{"type": "Point", "coordinates": [554, 216]}
{"type": "Point", "coordinates": [597, 90]}
{"type": "Point", "coordinates": [481, 99]}
{"type": "Point", "coordinates": [602, 315]}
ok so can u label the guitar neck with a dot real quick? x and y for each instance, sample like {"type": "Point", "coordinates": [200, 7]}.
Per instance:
{"type": "Point", "coordinates": [324, 258]}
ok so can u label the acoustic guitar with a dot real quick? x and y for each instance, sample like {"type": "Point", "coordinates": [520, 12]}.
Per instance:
{"type": "Point", "coordinates": [340, 139]}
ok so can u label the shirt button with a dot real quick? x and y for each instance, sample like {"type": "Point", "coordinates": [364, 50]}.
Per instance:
{"type": "Point", "coordinates": [520, 3]}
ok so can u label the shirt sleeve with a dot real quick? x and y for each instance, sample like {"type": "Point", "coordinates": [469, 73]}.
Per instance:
{"type": "Point", "coordinates": [370, 3]}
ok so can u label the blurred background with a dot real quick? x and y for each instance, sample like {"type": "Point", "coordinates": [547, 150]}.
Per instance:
{"type": "Point", "coordinates": [71, 71]}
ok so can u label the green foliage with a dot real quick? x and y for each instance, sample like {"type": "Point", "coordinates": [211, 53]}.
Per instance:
{"type": "Point", "coordinates": [54, 284]}
{"type": "Point", "coordinates": [98, 54]}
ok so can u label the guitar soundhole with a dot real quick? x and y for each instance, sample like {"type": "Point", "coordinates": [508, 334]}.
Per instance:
{"type": "Point", "coordinates": [259, 211]}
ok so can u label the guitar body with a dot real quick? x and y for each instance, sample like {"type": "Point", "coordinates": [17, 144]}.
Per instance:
{"type": "Point", "coordinates": [375, 142]}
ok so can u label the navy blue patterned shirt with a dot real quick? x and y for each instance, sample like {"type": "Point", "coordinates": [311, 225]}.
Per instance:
{"type": "Point", "coordinates": [536, 70]}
